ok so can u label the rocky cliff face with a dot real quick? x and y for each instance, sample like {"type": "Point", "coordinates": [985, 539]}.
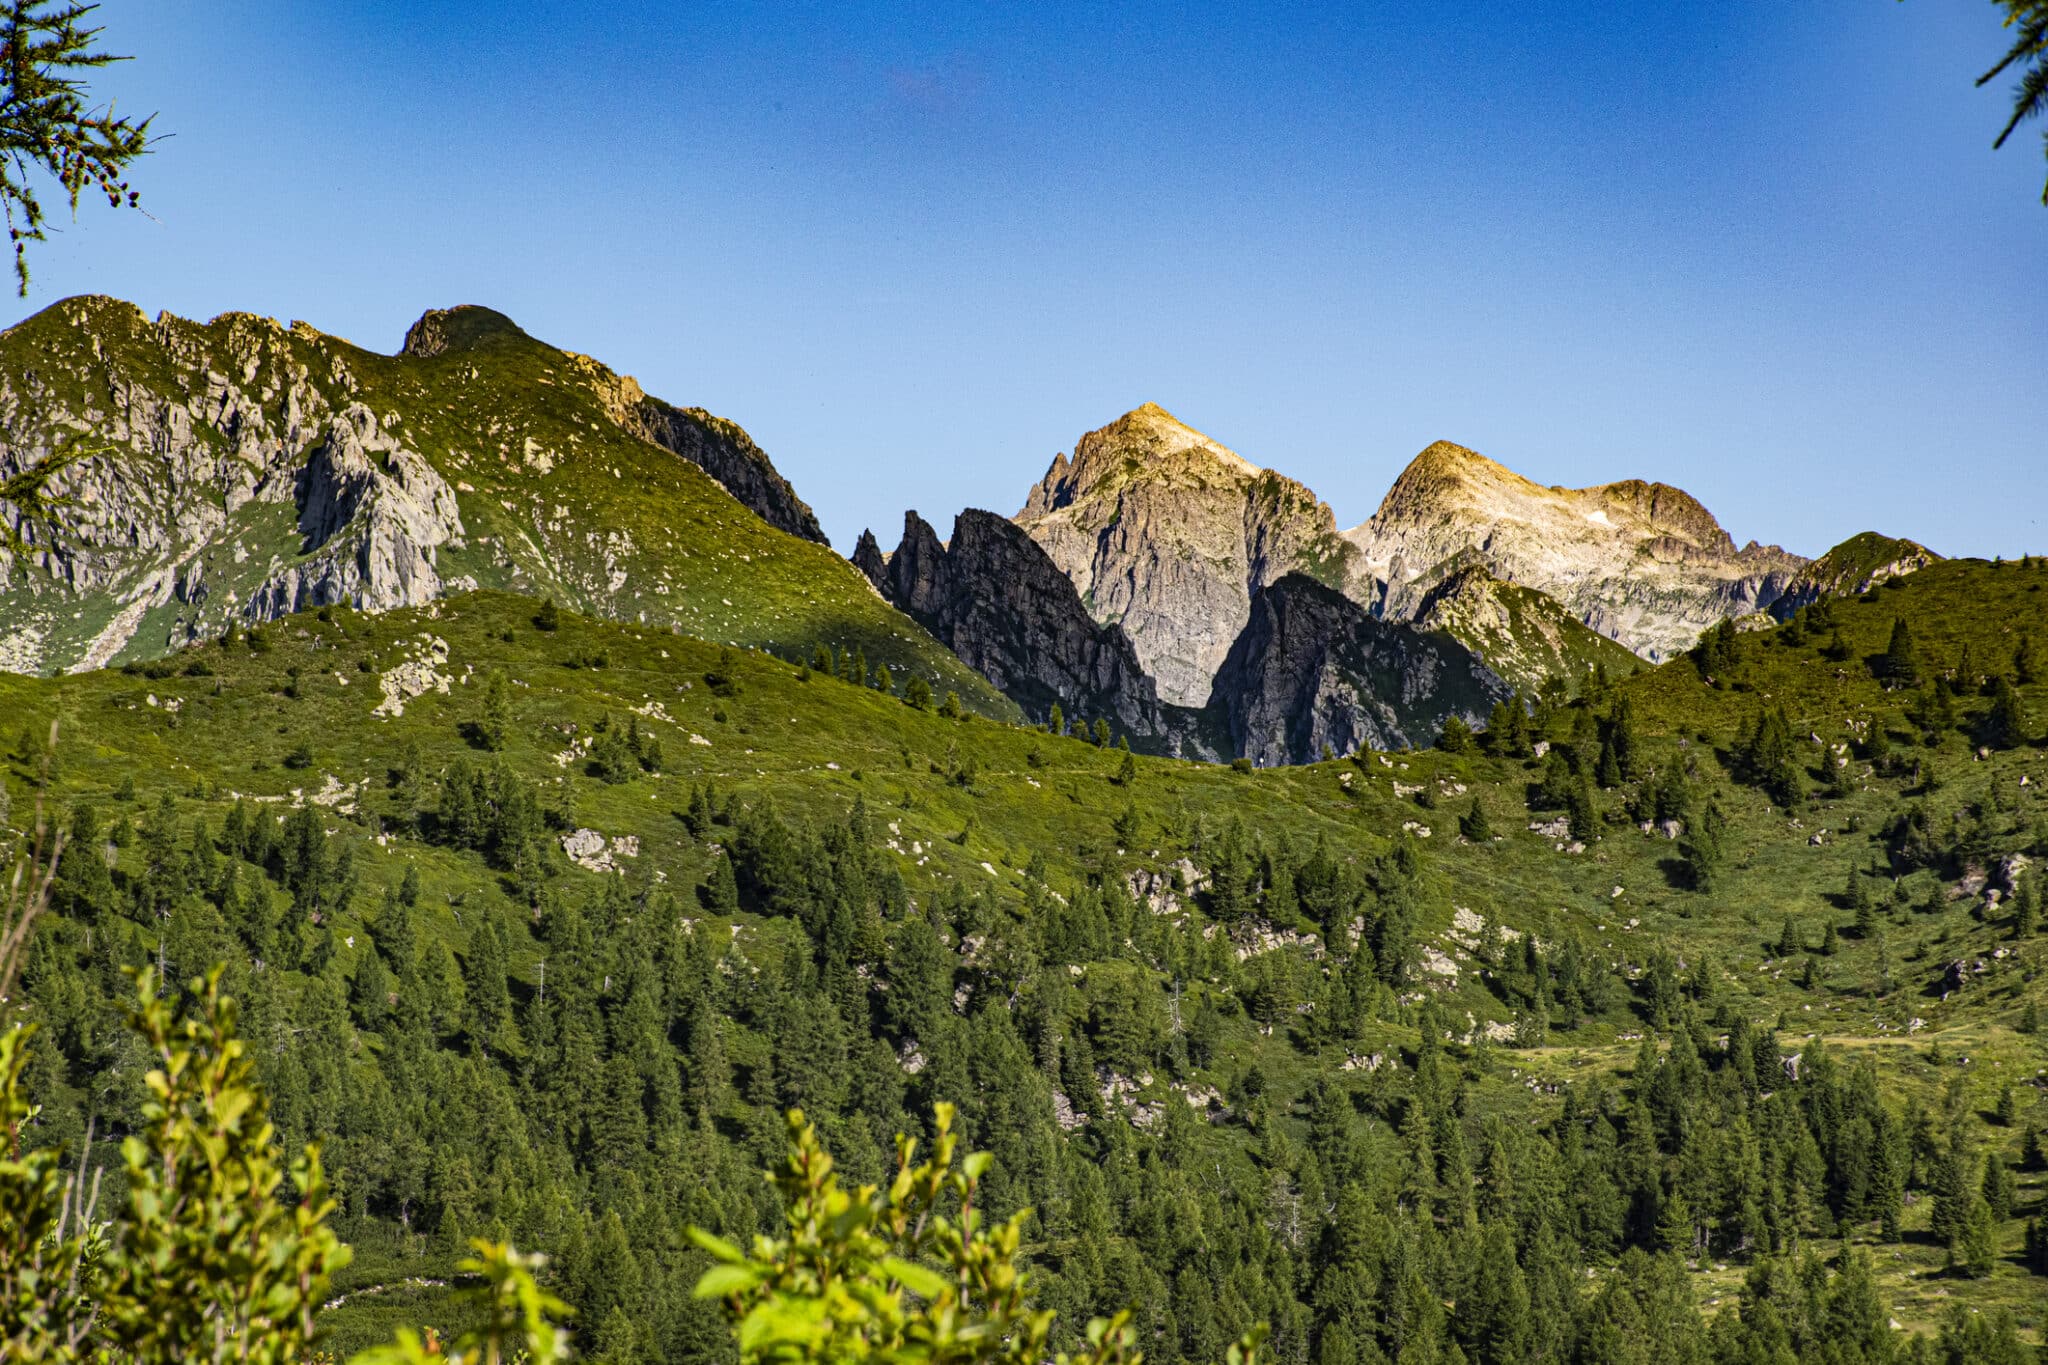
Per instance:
{"type": "Point", "coordinates": [1855, 566]}
{"type": "Point", "coordinates": [1313, 669]}
{"type": "Point", "coordinates": [240, 469]}
{"type": "Point", "coordinates": [1641, 563]}
{"type": "Point", "coordinates": [1169, 534]}
{"type": "Point", "coordinates": [995, 598]}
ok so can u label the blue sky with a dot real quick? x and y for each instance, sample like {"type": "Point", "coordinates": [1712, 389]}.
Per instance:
{"type": "Point", "coordinates": [1760, 250]}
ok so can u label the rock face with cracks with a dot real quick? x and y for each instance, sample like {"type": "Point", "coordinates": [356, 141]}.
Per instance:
{"type": "Point", "coordinates": [997, 600]}
{"type": "Point", "coordinates": [1313, 669]}
{"type": "Point", "coordinates": [1168, 534]}
{"type": "Point", "coordinates": [1641, 563]}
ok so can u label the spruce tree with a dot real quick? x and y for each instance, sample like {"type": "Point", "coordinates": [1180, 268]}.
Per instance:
{"type": "Point", "coordinates": [494, 724]}
{"type": "Point", "coordinates": [1473, 825]}
{"type": "Point", "coordinates": [1901, 661]}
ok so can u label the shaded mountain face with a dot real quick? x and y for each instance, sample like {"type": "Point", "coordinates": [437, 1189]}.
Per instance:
{"type": "Point", "coordinates": [995, 598]}
{"type": "Point", "coordinates": [241, 469]}
{"type": "Point", "coordinates": [1313, 669]}
{"type": "Point", "coordinates": [1855, 566]}
{"type": "Point", "coordinates": [1169, 535]}
{"type": "Point", "coordinates": [1641, 563]}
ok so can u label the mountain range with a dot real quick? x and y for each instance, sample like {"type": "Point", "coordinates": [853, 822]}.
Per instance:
{"type": "Point", "coordinates": [177, 476]}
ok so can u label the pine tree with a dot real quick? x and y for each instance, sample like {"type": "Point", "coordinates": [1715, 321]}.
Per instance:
{"type": "Point", "coordinates": [2006, 725]}
{"type": "Point", "coordinates": [1789, 941]}
{"type": "Point", "coordinates": [1974, 1252]}
{"type": "Point", "coordinates": [1952, 1192]}
{"type": "Point", "coordinates": [2028, 663]}
{"type": "Point", "coordinates": [494, 725]}
{"type": "Point", "coordinates": [1101, 733]}
{"type": "Point", "coordinates": [1127, 771]}
{"type": "Point", "coordinates": [1624, 739]}
{"type": "Point", "coordinates": [1999, 1188]}
{"type": "Point", "coordinates": [1473, 825]}
{"type": "Point", "coordinates": [1901, 661]}
{"type": "Point", "coordinates": [917, 693]}
{"type": "Point", "coordinates": [1456, 737]}
{"type": "Point", "coordinates": [1056, 720]}
{"type": "Point", "coordinates": [548, 618]}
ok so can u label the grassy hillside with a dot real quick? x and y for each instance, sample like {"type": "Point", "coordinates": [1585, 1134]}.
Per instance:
{"type": "Point", "coordinates": [1235, 995]}
{"type": "Point", "coordinates": [1525, 636]}
{"type": "Point", "coordinates": [556, 498]}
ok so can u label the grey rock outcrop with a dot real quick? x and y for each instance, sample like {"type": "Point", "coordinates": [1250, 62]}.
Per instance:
{"type": "Point", "coordinates": [1642, 563]}
{"type": "Point", "coordinates": [1168, 534]}
{"type": "Point", "coordinates": [996, 599]}
{"type": "Point", "coordinates": [371, 530]}
{"type": "Point", "coordinates": [729, 455]}
{"type": "Point", "coordinates": [1312, 668]}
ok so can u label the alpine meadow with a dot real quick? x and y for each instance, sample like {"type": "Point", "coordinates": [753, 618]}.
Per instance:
{"type": "Point", "coordinates": [488, 881]}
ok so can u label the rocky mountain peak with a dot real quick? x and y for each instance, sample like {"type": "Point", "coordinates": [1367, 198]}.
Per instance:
{"type": "Point", "coordinates": [995, 599]}
{"type": "Point", "coordinates": [1148, 443]}
{"type": "Point", "coordinates": [1642, 563]}
{"type": "Point", "coordinates": [465, 327]}
{"type": "Point", "coordinates": [1168, 533]}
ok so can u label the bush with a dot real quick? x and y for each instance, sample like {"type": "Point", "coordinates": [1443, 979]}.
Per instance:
{"type": "Point", "coordinates": [209, 1245]}
{"type": "Point", "coordinates": [911, 1273]}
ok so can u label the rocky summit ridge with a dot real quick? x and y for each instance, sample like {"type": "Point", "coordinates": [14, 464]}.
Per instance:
{"type": "Point", "coordinates": [1642, 563]}
{"type": "Point", "coordinates": [1169, 534]}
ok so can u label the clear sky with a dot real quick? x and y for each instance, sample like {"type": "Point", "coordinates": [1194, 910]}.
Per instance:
{"type": "Point", "coordinates": [1757, 249]}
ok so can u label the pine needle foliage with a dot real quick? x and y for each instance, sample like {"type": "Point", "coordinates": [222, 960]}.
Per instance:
{"type": "Point", "coordinates": [50, 126]}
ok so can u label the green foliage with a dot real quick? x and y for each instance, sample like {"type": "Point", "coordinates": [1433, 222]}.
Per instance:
{"type": "Point", "coordinates": [912, 1272]}
{"type": "Point", "coordinates": [2029, 55]}
{"type": "Point", "coordinates": [1900, 662]}
{"type": "Point", "coordinates": [49, 124]}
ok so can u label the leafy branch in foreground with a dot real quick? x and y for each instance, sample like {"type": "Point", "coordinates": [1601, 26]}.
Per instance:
{"type": "Point", "coordinates": [2028, 53]}
{"type": "Point", "coordinates": [48, 123]}
{"type": "Point", "coordinates": [854, 1279]}
{"type": "Point", "coordinates": [28, 494]}
{"type": "Point", "coordinates": [209, 1259]}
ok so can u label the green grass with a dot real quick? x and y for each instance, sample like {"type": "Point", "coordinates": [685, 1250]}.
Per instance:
{"type": "Point", "coordinates": [556, 499]}
{"type": "Point", "coordinates": [973, 801]}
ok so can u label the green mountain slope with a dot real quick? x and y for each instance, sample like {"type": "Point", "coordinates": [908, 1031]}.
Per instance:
{"type": "Point", "coordinates": [1525, 636]}
{"type": "Point", "coordinates": [1213, 1022]}
{"type": "Point", "coordinates": [239, 469]}
{"type": "Point", "coordinates": [1857, 565]}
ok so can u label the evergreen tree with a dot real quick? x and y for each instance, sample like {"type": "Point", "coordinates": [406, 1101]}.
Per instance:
{"type": "Point", "coordinates": [2006, 725]}
{"type": "Point", "coordinates": [1473, 825]}
{"type": "Point", "coordinates": [1056, 720]}
{"type": "Point", "coordinates": [494, 725]}
{"type": "Point", "coordinates": [1974, 1252]}
{"type": "Point", "coordinates": [917, 693]}
{"type": "Point", "coordinates": [548, 618]}
{"type": "Point", "coordinates": [1456, 737]}
{"type": "Point", "coordinates": [1901, 660]}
